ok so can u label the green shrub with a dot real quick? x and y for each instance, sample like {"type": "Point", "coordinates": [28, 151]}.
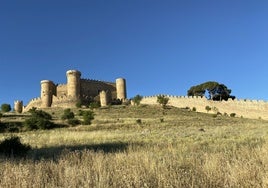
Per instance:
{"type": "Point", "coordinates": [94, 105]}
{"type": "Point", "coordinates": [40, 114]}
{"type": "Point", "coordinates": [5, 107]}
{"type": "Point", "coordinates": [194, 109]}
{"type": "Point", "coordinates": [162, 120]}
{"type": "Point", "coordinates": [137, 100]}
{"type": "Point", "coordinates": [10, 127]}
{"type": "Point", "coordinates": [73, 121]}
{"type": "Point", "coordinates": [162, 100]}
{"type": "Point", "coordinates": [39, 120]}
{"type": "Point", "coordinates": [78, 104]}
{"type": "Point", "coordinates": [67, 114]}
{"type": "Point", "coordinates": [232, 114]}
{"type": "Point", "coordinates": [12, 147]}
{"type": "Point", "coordinates": [138, 121]}
{"type": "Point", "coordinates": [208, 108]}
{"type": "Point", "coordinates": [88, 116]}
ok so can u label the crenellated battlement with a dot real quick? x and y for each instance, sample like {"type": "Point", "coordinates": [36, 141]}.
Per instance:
{"type": "Point", "coordinates": [96, 81]}
{"type": "Point", "coordinates": [241, 107]}
{"type": "Point", "coordinates": [75, 90]}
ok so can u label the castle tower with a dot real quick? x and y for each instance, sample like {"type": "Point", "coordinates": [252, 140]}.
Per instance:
{"type": "Point", "coordinates": [121, 88]}
{"type": "Point", "coordinates": [18, 106]}
{"type": "Point", "coordinates": [47, 90]}
{"type": "Point", "coordinates": [73, 84]}
{"type": "Point", "coordinates": [103, 98]}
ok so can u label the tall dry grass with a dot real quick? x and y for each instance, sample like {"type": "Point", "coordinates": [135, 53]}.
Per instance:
{"type": "Point", "coordinates": [115, 151]}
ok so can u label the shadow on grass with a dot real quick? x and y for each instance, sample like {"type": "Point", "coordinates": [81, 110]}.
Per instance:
{"type": "Point", "coordinates": [54, 153]}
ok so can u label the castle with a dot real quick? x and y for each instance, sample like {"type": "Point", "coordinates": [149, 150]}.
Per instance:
{"type": "Point", "coordinates": [76, 90]}
{"type": "Point", "coordinates": [87, 90]}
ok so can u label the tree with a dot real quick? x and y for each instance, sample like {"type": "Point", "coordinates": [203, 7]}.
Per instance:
{"type": "Point", "coordinates": [5, 107]}
{"type": "Point", "coordinates": [137, 99]}
{"type": "Point", "coordinates": [208, 108]}
{"type": "Point", "coordinates": [215, 91]}
{"type": "Point", "coordinates": [162, 100]}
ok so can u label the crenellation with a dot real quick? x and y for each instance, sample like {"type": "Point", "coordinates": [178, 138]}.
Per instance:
{"type": "Point", "coordinates": [242, 107]}
{"type": "Point", "coordinates": [75, 90]}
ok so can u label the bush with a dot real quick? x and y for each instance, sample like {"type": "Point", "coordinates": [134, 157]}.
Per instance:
{"type": "Point", "coordinates": [40, 114]}
{"type": "Point", "coordinates": [116, 102]}
{"type": "Point", "coordinates": [12, 147]}
{"type": "Point", "coordinates": [137, 100]}
{"type": "Point", "coordinates": [39, 120]}
{"type": "Point", "coordinates": [67, 114]}
{"type": "Point", "coordinates": [162, 100]}
{"type": "Point", "coordinates": [5, 107]}
{"type": "Point", "coordinates": [10, 127]}
{"type": "Point", "coordinates": [208, 108]}
{"type": "Point", "coordinates": [88, 116]}
{"type": "Point", "coordinates": [194, 109]}
{"type": "Point", "coordinates": [94, 105]}
{"type": "Point", "coordinates": [138, 121]}
{"type": "Point", "coordinates": [73, 121]}
{"type": "Point", "coordinates": [232, 114]}
{"type": "Point", "coordinates": [78, 104]}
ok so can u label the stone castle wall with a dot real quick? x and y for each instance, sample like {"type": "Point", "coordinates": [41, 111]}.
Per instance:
{"type": "Point", "coordinates": [246, 108]}
{"type": "Point", "coordinates": [76, 89]}
{"type": "Point", "coordinates": [94, 87]}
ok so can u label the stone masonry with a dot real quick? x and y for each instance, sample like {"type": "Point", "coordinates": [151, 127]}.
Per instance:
{"type": "Point", "coordinates": [77, 89]}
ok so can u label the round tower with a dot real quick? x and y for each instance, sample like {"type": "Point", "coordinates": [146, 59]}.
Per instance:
{"type": "Point", "coordinates": [121, 90]}
{"type": "Point", "coordinates": [47, 88]}
{"type": "Point", "coordinates": [18, 106]}
{"type": "Point", "coordinates": [103, 98]}
{"type": "Point", "coordinates": [73, 84]}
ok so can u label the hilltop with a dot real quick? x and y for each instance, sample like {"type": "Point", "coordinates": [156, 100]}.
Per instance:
{"type": "Point", "coordinates": [143, 146]}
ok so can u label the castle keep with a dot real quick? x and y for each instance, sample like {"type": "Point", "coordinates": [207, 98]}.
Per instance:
{"type": "Point", "coordinates": [75, 90]}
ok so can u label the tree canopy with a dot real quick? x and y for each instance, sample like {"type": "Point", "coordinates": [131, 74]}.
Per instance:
{"type": "Point", "coordinates": [216, 91]}
{"type": "Point", "coordinates": [5, 107]}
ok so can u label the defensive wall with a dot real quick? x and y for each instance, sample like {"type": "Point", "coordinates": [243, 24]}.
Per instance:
{"type": "Point", "coordinates": [254, 109]}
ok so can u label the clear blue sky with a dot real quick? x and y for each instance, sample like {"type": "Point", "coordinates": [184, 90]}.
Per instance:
{"type": "Point", "coordinates": [160, 47]}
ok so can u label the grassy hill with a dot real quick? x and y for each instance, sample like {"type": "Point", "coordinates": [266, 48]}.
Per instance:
{"type": "Point", "coordinates": [145, 146]}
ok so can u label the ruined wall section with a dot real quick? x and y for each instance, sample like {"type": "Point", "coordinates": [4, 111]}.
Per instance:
{"type": "Point", "coordinates": [94, 87]}
{"type": "Point", "coordinates": [246, 108]}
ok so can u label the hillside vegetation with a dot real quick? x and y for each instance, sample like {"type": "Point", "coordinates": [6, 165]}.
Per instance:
{"type": "Point", "coordinates": [142, 146]}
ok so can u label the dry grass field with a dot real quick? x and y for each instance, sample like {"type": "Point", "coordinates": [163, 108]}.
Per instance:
{"type": "Point", "coordinates": [146, 146]}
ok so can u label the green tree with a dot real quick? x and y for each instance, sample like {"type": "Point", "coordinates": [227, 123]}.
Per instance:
{"type": "Point", "coordinates": [5, 107]}
{"type": "Point", "coordinates": [208, 108]}
{"type": "Point", "coordinates": [137, 100]}
{"type": "Point", "coordinates": [215, 91]}
{"type": "Point", "coordinates": [162, 100]}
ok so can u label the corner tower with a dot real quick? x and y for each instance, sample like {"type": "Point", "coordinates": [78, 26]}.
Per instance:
{"type": "Point", "coordinates": [47, 90]}
{"type": "Point", "coordinates": [73, 84]}
{"type": "Point", "coordinates": [18, 106]}
{"type": "Point", "coordinates": [121, 90]}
